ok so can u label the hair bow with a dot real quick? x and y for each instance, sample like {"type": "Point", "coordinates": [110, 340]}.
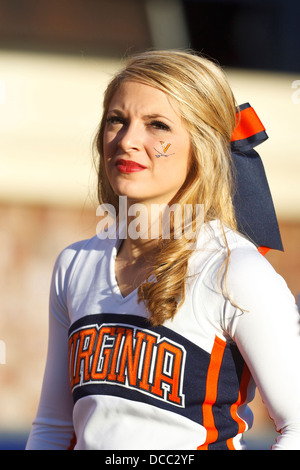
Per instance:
{"type": "Point", "coordinates": [252, 200]}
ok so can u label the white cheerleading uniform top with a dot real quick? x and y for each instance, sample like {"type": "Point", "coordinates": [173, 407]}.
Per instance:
{"type": "Point", "coordinates": [113, 381]}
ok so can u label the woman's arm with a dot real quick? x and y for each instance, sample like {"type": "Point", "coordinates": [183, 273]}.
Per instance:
{"type": "Point", "coordinates": [52, 427]}
{"type": "Point", "coordinates": [267, 334]}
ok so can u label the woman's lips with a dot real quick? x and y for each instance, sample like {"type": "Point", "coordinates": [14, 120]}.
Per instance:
{"type": "Point", "coordinates": [129, 166]}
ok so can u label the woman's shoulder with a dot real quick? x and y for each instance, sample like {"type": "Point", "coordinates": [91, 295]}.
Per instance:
{"type": "Point", "coordinates": [216, 234]}
{"type": "Point", "coordinates": [83, 249]}
{"type": "Point", "coordinates": [70, 251]}
{"type": "Point", "coordinates": [217, 244]}
{"type": "Point", "coordinates": [216, 240]}
{"type": "Point", "coordinates": [247, 271]}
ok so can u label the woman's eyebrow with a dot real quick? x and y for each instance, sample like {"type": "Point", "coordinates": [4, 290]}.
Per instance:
{"type": "Point", "coordinates": [115, 111]}
{"type": "Point", "coordinates": [119, 112]}
{"type": "Point", "coordinates": [157, 116]}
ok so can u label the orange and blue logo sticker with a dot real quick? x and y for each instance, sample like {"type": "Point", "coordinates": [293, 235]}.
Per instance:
{"type": "Point", "coordinates": [165, 147]}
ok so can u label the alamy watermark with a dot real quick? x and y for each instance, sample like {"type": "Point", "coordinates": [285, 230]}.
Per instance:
{"type": "Point", "coordinates": [149, 222]}
{"type": "Point", "coordinates": [296, 93]}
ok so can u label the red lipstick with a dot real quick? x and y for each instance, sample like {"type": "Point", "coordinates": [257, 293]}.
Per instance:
{"type": "Point", "coordinates": [128, 166]}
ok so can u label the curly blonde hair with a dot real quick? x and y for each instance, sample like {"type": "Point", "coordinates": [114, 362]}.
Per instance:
{"type": "Point", "coordinates": [199, 90]}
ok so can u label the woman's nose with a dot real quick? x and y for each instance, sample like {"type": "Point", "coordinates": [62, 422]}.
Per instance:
{"type": "Point", "coordinates": [130, 138]}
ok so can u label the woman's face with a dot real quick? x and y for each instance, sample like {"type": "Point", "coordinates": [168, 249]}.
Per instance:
{"type": "Point", "coordinates": [146, 146]}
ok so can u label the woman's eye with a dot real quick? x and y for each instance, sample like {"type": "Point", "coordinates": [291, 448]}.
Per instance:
{"type": "Point", "coordinates": [160, 125]}
{"type": "Point", "coordinates": [115, 120]}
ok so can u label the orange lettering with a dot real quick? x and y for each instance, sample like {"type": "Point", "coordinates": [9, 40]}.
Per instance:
{"type": "Point", "coordinates": [95, 374]}
{"type": "Point", "coordinates": [126, 356]}
{"type": "Point", "coordinates": [112, 375]}
{"type": "Point", "coordinates": [151, 340]}
{"type": "Point", "coordinates": [130, 358]}
{"type": "Point", "coordinates": [171, 364]}
{"type": "Point", "coordinates": [72, 350]}
{"type": "Point", "coordinates": [86, 344]}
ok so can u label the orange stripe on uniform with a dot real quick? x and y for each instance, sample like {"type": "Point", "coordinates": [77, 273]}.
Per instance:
{"type": "Point", "coordinates": [211, 392]}
{"type": "Point", "coordinates": [248, 124]}
{"type": "Point", "coordinates": [72, 442]}
{"type": "Point", "coordinates": [241, 399]}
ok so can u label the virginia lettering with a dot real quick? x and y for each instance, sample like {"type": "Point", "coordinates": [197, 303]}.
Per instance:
{"type": "Point", "coordinates": [130, 357]}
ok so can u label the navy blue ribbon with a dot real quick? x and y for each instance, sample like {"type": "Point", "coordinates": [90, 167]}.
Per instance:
{"type": "Point", "coordinates": [252, 199]}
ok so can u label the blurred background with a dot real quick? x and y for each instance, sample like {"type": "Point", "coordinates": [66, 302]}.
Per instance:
{"type": "Point", "coordinates": [55, 60]}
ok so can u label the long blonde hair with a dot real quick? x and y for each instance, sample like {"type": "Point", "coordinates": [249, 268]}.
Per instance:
{"type": "Point", "coordinates": [200, 91]}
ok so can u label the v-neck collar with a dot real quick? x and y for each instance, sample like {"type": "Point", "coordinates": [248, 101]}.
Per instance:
{"type": "Point", "coordinates": [112, 273]}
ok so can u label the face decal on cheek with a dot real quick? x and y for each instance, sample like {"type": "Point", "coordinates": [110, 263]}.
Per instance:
{"type": "Point", "coordinates": [165, 147]}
